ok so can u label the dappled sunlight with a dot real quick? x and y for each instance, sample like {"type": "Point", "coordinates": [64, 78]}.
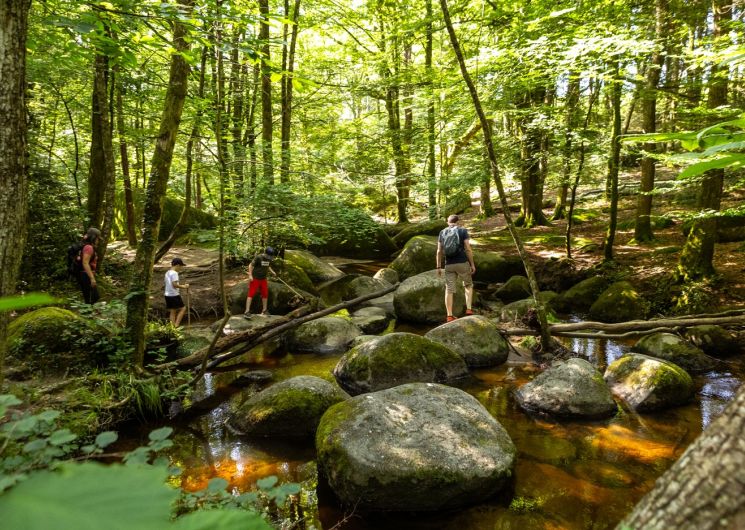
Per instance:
{"type": "Point", "coordinates": [624, 442]}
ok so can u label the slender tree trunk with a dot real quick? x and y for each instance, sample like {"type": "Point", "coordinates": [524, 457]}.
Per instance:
{"type": "Point", "coordinates": [97, 177]}
{"type": "Point", "coordinates": [614, 162]}
{"type": "Point", "coordinates": [431, 169]}
{"type": "Point", "coordinates": [546, 341]}
{"type": "Point", "coordinates": [142, 270]}
{"type": "Point", "coordinates": [288, 67]}
{"type": "Point", "coordinates": [530, 157]}
{"type": "Point", "coordinates": [124, 156]}
{"type": "Point", "coordinates": [570, 124]}
{"type": "Point", "coordinates": [643, 226]}
{"type": "Point", "coordinates": [13, 162]}
{"type": "Point", "coordinates": [251, 130]}
{"type": "Point", "coordinates": [237, 93]}
{"type": "Point", "coordinates": [266, 95]}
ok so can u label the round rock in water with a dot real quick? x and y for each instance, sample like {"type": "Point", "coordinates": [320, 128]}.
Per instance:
{"type": "Point", "coordinates": [646, 383]}
{"type": "Point", "coordinates": [474, 338]}
{"type": "Point", "coordinates": [714, 340]}
{"type": "Point", "coordinates": [290, 408]}
{"type": "Point", "coordinates": [421, 299]}
{"type": "Point", "coordinates": [395, 359]}
{"type": "Point", "coordinates": [572, 388]}
{"type": "Point", "coordinates": [675, 349]}
{"type": "Point", "coordinates": [415, 447]}
{"type": "Point", "coordinates": [323, 335]}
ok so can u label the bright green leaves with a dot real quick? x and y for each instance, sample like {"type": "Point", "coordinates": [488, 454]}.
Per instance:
{"type": "Point", "coordinates": [13, 303]}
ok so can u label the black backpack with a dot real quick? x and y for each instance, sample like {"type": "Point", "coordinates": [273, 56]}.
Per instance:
{"type": "Point", "coordinates": [75, 259]}
{"type": "Point", "coordinates": [450, 241]}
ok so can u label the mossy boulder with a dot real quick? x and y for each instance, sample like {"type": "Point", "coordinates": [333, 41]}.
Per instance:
{"type": "Point", "coordinates": [350, 287]}
{"type": "Point", "coordinates": [518, 310]}
{"type": "Point", "coordinates": [516, 288]}
{"type": "Point", "coordinates": [397, 358]}
{"type": "Point", "coordinates": [572, 388]}
{"type": "Point", "coordinates": [290, 408]}
{"type": "Point", "coordinates": [281, 299]}
{"type": "Point", "coordinates": [294, 275]}
{"type": "Point", "coordinates": [55, 340]}
{"type": "Point", "coordinates": [357, 235]}
{"type": "Point", "coordinates": [323, 335]}
{"type": "Point", "coordinates": [387, 275]}
{"type": "Point", "coordinates": [620, 302]}
{"type": "Point", "coordinates": [425, 228]}
{"type": "Point", "coordinates": [417, 256]}
{"type": "Point", "coordinates": [421, 299]}
{"type": "Point", "coordinates": [646, 383]}
{"type": "Point", "coordinates": [475, 338]}
{"type": "Point", "coordinates": [675, 349]}
{"type": "Point", "coordinates": [580, 296]}
{"type": "Point", "coordinates": [315, 268]}
{"type": "Point", "coordinates": [371, 320]}
{"type": "Point", "coordinates": [493, 267]}
{"type": "Point", "coordinates": [416, 447]}
{"type": "Point", "coordinates": [714, 340]}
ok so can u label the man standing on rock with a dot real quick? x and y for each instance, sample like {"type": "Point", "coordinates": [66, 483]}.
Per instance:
{"type": "Point", "coordinates": [257, 272]}
{"type": "Point", "coordinates": [454, 245]}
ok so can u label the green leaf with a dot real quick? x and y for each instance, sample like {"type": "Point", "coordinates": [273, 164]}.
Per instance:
{"type": "Point", "coordinates": [225, 519]}
{"type": "Point", "coordinates": [160, 434]}
{"type": "Point", "coordinates": [12, 303]}
{"type": "Point", "coordinates": [35, 445]}
{"type": "Point", "coordinates": [9, 400]}
{"type": "Point", "coordinates": [106, 438]}
{"type": "Point", "coordinates": [267, 482]}
{"type": "Point", "coordinates": [731, 161]}
{"type": "Point", "coordinates": [48, 416]}
{"type": "Point", "coordinates": [217, 484]}
{"type": "Point", "coordinates": [7, 481]}
{"type": "Point", "coordinates": [90, 496]}
{"type": "Point", "coordinates": [61, 437]}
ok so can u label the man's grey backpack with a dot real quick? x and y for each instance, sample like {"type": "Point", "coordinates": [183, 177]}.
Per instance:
{"type": "Point", "coordinates": [451, 241]}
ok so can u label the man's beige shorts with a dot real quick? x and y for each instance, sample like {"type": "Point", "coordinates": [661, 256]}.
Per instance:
{"type": "Point", "coordinates": [457, 270]}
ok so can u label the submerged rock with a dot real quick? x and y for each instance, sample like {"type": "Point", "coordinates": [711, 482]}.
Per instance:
{"type": "Point", "coordinates": [676, 350]}
{"type": "Point", "coordinates": [619, 303]}
{"type": "Point", "coordinates": [416, 447]}
{"type": "Point", "coordinates": [646, 383]}
{"type": "Point", "coordinates": [293, 407]}
{"type": "Point", "coordinates": [475, 338]}
{"type": "Point", "coordinates": [323, 335]}
{"type": "Point", "coordinates": [421, 299]}
{"type": "Point", "coordinates": [394, 359]}
{"type": "Point", "coordinates": [572, 388]}
{"type": "Point", "coordinates": [714, 340]}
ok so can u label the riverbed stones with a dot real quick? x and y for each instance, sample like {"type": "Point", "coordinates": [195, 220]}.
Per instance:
{"type": "Point", "coordinates": [395, 359]}
{"type": "Point", "coordinates": [475, 338]}
{"type": "Point", "coordinates": [324, 335]}
{"type": "Point", "coordinates": [387, 275]}
{"type": "Point", "coordinates": [620, 302]}
{"type": "Point", "coordinates": [516, 288]}
{"type": "Point", "coordinates": [518, 310]}
{"type": "Point", "coordinates": [238, 323]}
{"type": "Point", "coordinates": [428, 228]}
{"type": "Point", "coordinates": [581, 296]}
{"type": "Point", "coordinates": [317, 270]}
{"type": "Point", "coordinates": [493, 267]}
{"type": "Point", "coordinates": [714, 340]}
{"type": "Point", "coordinates": [415, 447]}
{"type": "Point", "coordinates": [675, 349]}
{"type": "Point", "coordinates": [417, 256]}
{"type": "Point", "coordinates": [421, 299]}
{"type": "Point", "coordinates": [291, 408]}
{"type": "Point", "coordinates": [646, 383]}
{"type": "Point", "coordinates": [571, 388]}
{"type": "Point", "coordinates": [371, 320]}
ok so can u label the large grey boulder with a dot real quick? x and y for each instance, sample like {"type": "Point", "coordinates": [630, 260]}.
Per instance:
{"type": "Point", "coordinates": [620, 302]}
{"type": "Point", "coordinates": [416, 447]}
{"type": "Point", "coordinates": [417, 256]}
{"type": "Point", "coordinates": [675, 349]}
{"type": "Point", "coordinates": [428, 228]}
{"type": "Point", "coordinates": [580, 296]}
{"type": "Point", "coordinates": [646, 383]}
{"type": "Point", "coordinates": [474, 338]}
{"type": "Point", "coordinates": [493, 267]}
{"type": "Point", "coordinates": [290, 408]}
{"type": "Point", "coordinates": [371, 320]}
{"type": "Point", "coordinates": [714, 340]}
{"type": "Point", "coordinates": [317, 270]}
{"type": "Point", "coordinates": [572, 388]}
{"type": "Point", "coordinates": [387, 275]}
{"type": "Point", "coordinates": [518, 310]}
{"type": "Point", "coordinates": [238, 323]}
{"type": "Point", "coordinates": [421, 299]}
{"type": "Point", "coordinates": [395, 359]}
{"type": "Point", "coordinates": [516, 288]}
{"type": "Point", "coordinates": [323, 335]}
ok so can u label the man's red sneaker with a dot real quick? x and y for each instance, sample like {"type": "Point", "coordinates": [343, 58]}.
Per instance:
{"type": "Point", "coordinates": [450, 318]}
{"type": "Point", "coordinates": [469, 312]}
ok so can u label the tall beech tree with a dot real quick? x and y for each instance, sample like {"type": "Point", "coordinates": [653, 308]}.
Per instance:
{"type": "Point", "coordinates": [267, 126]}
{"type": "Point", "coordinates": [142, 269]}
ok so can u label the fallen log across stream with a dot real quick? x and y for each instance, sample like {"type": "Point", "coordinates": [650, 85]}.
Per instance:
{"type": "Point", "coordinates": [633, 328]}
{"type": "Point", "coordinates": [241, 342]}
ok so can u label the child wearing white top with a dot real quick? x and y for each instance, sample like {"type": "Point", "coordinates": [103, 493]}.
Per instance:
{"type": "Point", "coordinates": [174, 302]}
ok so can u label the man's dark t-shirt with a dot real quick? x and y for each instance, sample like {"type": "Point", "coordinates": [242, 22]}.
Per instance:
{"type": "Point", "coordinates": [261, 266]}
{"type": "Point", "coordinates": [460, 255]}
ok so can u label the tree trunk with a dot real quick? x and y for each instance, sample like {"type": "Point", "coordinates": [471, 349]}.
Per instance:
{"type": "Point", "coordinates": [13, 162]}
{"type": "Point", "coordinates": [288, 67]}
{"type": "Point", "coordinates": [266, 95]}
{"type": "Point", "coordinates": [643, 226]}
{"type": "Point", "coordinates": [570, 124]}
{"type": "Point", "coordinates": [99, 127]}
{"type": "Point", "coordinates": [704, 489]}
{"type": "Point", "coordinates": [251, 130]}
{"type": "Point", "coordinates": [431, 170]}
{"type": "Point", "coordinates": [142, 270]}
{"type": "Point", "coordinates": [238, 72]}
{"type": "Point", "coordinates": [546, 341]}
{"type": "Point", "coordinates": [530, 156]}
{"type": "Point", "coordinates": [613, 163]}
{"type": "Point", "coordinates": [124, 155]}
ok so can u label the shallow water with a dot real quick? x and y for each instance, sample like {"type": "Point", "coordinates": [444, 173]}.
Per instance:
{"type": "Point", "coordinates": [569, 474]}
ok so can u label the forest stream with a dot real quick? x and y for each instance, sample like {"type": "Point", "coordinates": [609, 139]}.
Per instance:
{"type": "Point", "coordinates": [569, 474]}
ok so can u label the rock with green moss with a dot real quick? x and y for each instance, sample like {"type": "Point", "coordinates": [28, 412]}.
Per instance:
{"type": "Point", "coordinates": [371, 320]}
{"type": "Point", "coordinates": [387, 275]}
{"type": "Point", "coordinates": [315, 268]}
{"type": "Point", "coordinates": [416, 447]}
{"type": "Point", "coordinates": [323, 335]}
{"type": "Point", "coordinates": [474, 338]}
{"type": "Point", "coordinates": [518, 310]}
{"type": "Point", "coordinates": [572, 388]}
{"type": "Point", "coordinates": [580, 296]}
{"type": "Point", "coordinates": [295, 276]}
{"type": "Point", "coordinates": [421, 299]}
{"type": "Point", "coordinates": [516, 288]}
{"type": "Point", "coordinates": [350, 287]}
{"type": "Point", "coordinates": [714, 340]}
{"type": "Point", "coordinates": [397, 358]}
{"type": "Point", "coordinates": [425, 228]}
{"type": "Point", "coordinates": [356, 235]}
{"type": "Point", "coordinates": [281, 299]}
{"type": "Point", "coordinates": [417, 256]}
{"type": "Point", "coordinates": [493, 267]}
{"type": "Point", "coordinates": [291, 408]}
{"type": "Point", "coordinates": [646, 383]}
{"type": "Point", "coordinates": [620, 302]}
{"type": "Point", "coordinates": [55, 340]}
{"type": "Point", "coordinates": [675, 349]}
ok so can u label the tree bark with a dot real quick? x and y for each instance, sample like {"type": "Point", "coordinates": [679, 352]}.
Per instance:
{"type": "Point", "coordinates": [570, 125]}
{"type": "Point", "coordinates": [238, 73]}
{"type": "Point", "coordinates": [124, 156]}
{"type": "Point", "coordinates": [288, 67]}
{"type": "Point", "coordinates": [266, 95]}
{"type": "Point", "coordinates": [430, 131]}
{"type": "Point", "coordinates": [13, 162]}
{"type": "Point", "coordinates": [613, 163]}
{"type": "Point", "coordinates": [142, 270]}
